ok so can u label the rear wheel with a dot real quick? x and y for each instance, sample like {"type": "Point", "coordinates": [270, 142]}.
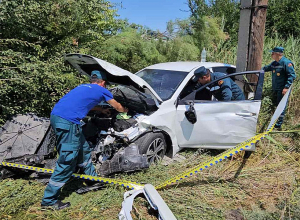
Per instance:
{"type": "Point", "coordinates": [153, 145]}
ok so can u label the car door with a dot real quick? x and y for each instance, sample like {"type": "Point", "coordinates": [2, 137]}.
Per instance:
{"type": "Point", "coordinates": [220, 124]}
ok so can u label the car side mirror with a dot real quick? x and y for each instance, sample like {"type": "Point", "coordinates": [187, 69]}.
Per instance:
{"type": "Point", "coordinates": [190, 114]}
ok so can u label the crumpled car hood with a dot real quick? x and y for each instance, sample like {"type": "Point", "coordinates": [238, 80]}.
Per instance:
{"type": "Point", "coordinates": [85, 64]}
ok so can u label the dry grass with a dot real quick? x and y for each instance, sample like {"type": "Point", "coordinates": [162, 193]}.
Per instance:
{"type": "Point", "coordinates": [266, 186]}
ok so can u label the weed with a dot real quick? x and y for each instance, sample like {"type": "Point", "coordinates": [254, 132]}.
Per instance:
{"type": "Point", "coordinates": [266, 186]}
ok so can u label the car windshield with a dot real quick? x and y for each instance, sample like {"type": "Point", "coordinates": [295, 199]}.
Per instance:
{"type": "Point", "coordinates": [163, 82]}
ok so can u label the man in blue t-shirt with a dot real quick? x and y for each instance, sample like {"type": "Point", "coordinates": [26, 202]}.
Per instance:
{"type": "Point", "coordinates": [71, 145]}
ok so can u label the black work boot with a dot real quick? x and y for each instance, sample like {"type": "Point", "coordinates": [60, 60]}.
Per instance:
{"type": "Point", "coordinates": [57, 206]}
{"type": "Point", "coordinates": [278, 127]}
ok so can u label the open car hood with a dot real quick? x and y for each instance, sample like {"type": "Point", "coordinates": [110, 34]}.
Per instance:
{"type": "Point", "coordinates": [85, 64]}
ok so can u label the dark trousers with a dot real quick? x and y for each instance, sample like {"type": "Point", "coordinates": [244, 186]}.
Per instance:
{"type": "Point", "coordinates": [73, 151]}
{"type": "Point", "coordinates": [277, 96]}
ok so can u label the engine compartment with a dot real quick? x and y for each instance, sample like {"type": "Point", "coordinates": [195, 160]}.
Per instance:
{"type": "Point", "coordinates": [111, 137]}
{"type": "Point", "coordinates": [111, 133]}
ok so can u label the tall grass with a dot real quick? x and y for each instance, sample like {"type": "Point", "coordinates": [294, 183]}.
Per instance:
{"type": "Point", "coordinates": [223, 52]}
{"type": "Point", "coordinates": [291, 45]}
{"type": "Point", "coordinates": [265, 187]}
{"type": "Point", "coordinates": [226, 52]}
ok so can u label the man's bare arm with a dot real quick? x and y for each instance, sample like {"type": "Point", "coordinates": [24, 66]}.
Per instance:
{"type": "Point", "coordinates": [117, 105]}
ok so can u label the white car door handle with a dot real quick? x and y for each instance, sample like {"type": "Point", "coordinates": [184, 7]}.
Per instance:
{"type": "Point", "coordinates": [246, 114]}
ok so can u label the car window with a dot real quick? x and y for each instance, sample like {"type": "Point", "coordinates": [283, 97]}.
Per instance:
{"type": "Point", "coordinates": [163, 82]}
{"type": "Point", "coordinates": [250, 85]}
{"type": "Point", "coordinates": [224, 69]}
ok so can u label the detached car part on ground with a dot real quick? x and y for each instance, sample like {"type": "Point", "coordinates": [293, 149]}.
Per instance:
{"type": "Point", "coordinates": [30, 140]}
{"type": "Point", "coordinates": [166, 115]}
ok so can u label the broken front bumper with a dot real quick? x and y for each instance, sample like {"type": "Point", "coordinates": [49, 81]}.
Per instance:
{"type": "Point", "coordinates": [153, 197]}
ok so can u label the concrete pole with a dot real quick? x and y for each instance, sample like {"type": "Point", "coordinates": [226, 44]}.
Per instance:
{"type": "Point", "coordinates": [251, 34]}
{"type": "Point", "coordinates": [257, 34]}
{"type": "Point", "coordinates": [251, 40]}
{"type": "Point", "coordinates": [244, 35]}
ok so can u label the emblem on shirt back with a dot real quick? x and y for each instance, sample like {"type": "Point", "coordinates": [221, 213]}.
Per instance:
{"type": "Point", "coordinates": [278, 74]}
{"type": "Point", "coordinates": [290, 64]}
{"type": "Point", "coordinates": [220, 82]}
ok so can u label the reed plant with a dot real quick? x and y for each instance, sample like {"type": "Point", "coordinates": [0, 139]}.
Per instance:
{"type": "Point", "coordinates": [226, 52]}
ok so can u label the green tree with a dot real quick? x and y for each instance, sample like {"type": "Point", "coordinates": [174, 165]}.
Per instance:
{"type": "Point", "coordinates": [182, 49]}
{"type": "Point", "coordinates": [213, 32]}
{"type": "Point", "coordinates": [129, 50]}
{"type": "Point", "coordinates": [228, 13]}
{"type": "Point", "coordinates": [198, 9]}
{"type": "Point", "coordinates": [34, 36]}
{"type": "Point", "coordinates": [133, 49]}
{"type": "Point", "coordinates": [207, 16]}
{"type": "Point", "coordinates": [28, 84]}
{"type": "Point", "coordinates": [283, 18]}
{"type": "Point", "coordinates": [183, 45]}
{"type": "Point", "coordinates": [57, 25]}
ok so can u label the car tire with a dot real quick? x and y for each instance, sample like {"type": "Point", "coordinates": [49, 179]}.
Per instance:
{"type": "Point", "coordinates": [153, 145]}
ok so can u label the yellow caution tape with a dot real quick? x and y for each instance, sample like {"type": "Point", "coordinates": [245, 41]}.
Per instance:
{"type": "Point", "coordinates": [125, 183]}
{"type": "Point", "coordinates": [215, 160]}
{"type": "Point", "coordinates": [135, 185]}
{"type": "Point", "coordinates": [191, 172]}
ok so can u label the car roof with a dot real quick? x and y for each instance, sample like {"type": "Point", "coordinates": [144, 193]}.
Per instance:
{"type": "Point", "coordinates": [186, 66]}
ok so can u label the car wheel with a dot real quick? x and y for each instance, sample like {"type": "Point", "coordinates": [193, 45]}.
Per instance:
{"type": "Point", "coordinates": [153, 145]}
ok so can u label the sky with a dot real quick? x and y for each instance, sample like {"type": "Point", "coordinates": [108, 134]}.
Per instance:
{"type": "Point", "coordinates": [152, 13]}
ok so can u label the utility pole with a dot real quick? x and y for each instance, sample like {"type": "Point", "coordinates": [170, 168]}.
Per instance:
{"type": "Point", "coordinates": [251, 40]}
{"type": "Point", "coordinates": [251, 34]}
{"type": "Point", "coordinates": [244, 33]}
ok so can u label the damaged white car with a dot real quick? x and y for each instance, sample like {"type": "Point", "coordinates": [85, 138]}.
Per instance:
{"type": "Point", "coordinates": [166, 114]}
{"type": "Point", "coordinates": [158, 98]}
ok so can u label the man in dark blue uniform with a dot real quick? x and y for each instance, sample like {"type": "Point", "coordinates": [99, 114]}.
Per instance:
{"type": "Point", "coordinates": [283, 75]}
{"type": "Point", "coordinates": [223, 90]}
{"type": "Point", "coordinates": [71, 145]}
